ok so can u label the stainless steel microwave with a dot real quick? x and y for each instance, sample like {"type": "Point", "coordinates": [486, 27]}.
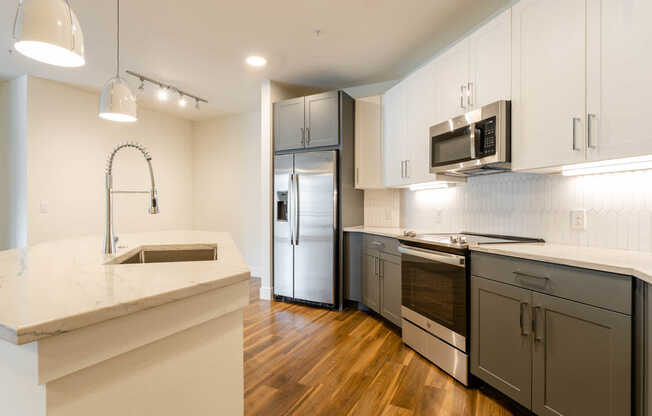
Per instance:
{"type": "Point", "coordinates": [478, 142]}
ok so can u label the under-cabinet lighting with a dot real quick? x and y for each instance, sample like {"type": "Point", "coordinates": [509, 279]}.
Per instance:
{"type": "Point", "coordinates": [608, 166]}
{"type": "Point", "coordinates": [430, 185]}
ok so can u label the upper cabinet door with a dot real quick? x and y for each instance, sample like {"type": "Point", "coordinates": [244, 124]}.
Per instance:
{"type": "Point", "coordinates": [368, 143]}
{"type": "Point", "coordinates": [421, 113]}
{"type": "Point", "coordinates": [394, 115]}
{"type": "Point", "coordinates": [490, 57]}
{"type": "Point", "coordinates": [322, 119]}
{"type": "Point", "coordinates": [548, 83]}
{"type": "Point", "coordinates": [582, 359]}
{"type": "Point", "coordinates": [618, 87]}
{"type": "Point", "coordinates": [288, 124]}
{"type": "Point", "coordinates": [453, 79]}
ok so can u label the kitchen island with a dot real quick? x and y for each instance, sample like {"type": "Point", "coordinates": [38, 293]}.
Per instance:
{"type": "Point", "coordinates": [81, 333]}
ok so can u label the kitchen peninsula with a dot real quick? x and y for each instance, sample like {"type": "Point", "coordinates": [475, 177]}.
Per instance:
{"type": "Point", "coordinates": [155, 329]}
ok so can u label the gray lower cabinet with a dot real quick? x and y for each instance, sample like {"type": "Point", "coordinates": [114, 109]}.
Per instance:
{"type": "Point", "coordinates": [322, 119]}
{"type": "Point", "coordinates": [289, 124]}
{"type": "Point", "coordinates": [501, 348]}
{"type": "Point", "coordinates": [371, 282]}
{"type": "Point", "coordinates": [581, 363]}
{"type": "Point", "coordinates": [390, 283]}
{"type": "Point", "coordinates": [555, 355]}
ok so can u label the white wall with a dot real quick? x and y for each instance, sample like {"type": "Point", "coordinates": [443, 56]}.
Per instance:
{"type": "Point", "coordinates": [226, 179]}
{"type": "Point", "coordinates": [618, 206]}
{"type": "Point", "coordinates": [13, 158]}
{"type": "Point", "coordinates": [67, 146]}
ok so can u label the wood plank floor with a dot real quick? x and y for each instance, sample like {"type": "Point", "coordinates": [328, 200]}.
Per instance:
{"type": "Point", "coordinates": [301, 360]}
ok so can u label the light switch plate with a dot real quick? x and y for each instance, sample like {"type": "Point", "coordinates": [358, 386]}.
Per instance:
{"type": "Point", "coordinates": [578, 219]}
{"type": "Point", "coordinates": [438, 215]}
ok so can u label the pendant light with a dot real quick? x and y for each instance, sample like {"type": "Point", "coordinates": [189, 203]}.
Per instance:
{"type": "Point", "coordinates": [48, 31]}
{"type": "Point", "coordinates": [117, 102]}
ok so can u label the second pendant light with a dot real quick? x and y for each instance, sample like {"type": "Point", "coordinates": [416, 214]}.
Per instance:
{"type": "Point", "coordinates": [117, 102]}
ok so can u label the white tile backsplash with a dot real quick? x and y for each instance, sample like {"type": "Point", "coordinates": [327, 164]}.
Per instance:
{"type": "Point", "coordinates": [618, 208]}
{"type": "Point", "coordinates": [382, 208]}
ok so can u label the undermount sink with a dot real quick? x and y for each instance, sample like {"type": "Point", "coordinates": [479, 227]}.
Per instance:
{"type": "Point", "coordinates": [168, 254]}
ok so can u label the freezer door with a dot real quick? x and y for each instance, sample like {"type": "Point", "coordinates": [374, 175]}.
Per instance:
{"type": "Point", "coordinates": [314, 241]}
{"type": "Point", "coordinates": [283, 220]}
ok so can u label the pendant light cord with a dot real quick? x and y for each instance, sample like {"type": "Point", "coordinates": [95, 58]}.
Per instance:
{"type": "Point", "coordinates": [117, 69]}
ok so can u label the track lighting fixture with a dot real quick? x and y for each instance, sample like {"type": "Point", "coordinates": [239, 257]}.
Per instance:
{"type": "Point", "coordinates": [164, 91]}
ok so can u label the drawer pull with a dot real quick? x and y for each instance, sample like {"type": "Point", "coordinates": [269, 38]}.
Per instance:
{"type": "Point", "coordinates": [523, 277]}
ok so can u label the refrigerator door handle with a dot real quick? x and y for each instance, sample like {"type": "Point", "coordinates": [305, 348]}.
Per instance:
{"type": "Point", "coordinates": [291, 207]}
{"type": "Point", "coordinates": [295, 193]}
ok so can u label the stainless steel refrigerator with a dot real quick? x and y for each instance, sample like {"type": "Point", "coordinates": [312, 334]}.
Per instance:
{"type": "Point", "coordinates": [305, 226]}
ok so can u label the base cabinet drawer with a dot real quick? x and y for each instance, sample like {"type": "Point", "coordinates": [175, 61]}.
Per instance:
{"type": "Point", "coordinates": [552, 355]}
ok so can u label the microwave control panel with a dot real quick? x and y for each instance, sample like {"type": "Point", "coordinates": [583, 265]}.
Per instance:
{"type": "Point", "coordinates": [485, 137]}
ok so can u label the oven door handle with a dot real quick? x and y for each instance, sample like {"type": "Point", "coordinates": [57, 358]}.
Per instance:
{"type": "Point", "coordinates": [433, 256]}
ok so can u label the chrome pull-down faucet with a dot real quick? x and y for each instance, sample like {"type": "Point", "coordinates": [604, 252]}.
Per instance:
{"type": "Point", "coordinates": [109, 232]}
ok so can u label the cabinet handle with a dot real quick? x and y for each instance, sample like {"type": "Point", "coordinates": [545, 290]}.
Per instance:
{"type": "Point", "coordinates": [381, 269]}
{"type": "Point", "coordinates": [536, 326]}
{"type": "Point", "coordinates": [407, 174]}
{"type": "Point", "coordinates": [462, 90]}
{"type": "Point", "coordinates": [303, 136]}
{"type": "Point", "coordinates": [402, 168]}
{"type": "Point", "coordinates": [575, 120]}
{"type": "Point", "coordinates": [357, 176]}
{"type": "Point", "coordinates": [307, 135]}
{"type": "Point", "coordinates": [589, 133]}
{"type": "Point", "coordinates": [470, 94]}
{"type": "Point", "coordinates": [523, 306]}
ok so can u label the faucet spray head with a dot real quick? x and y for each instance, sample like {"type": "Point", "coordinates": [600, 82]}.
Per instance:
{"type": "Point", "coordinates": [153, 203]}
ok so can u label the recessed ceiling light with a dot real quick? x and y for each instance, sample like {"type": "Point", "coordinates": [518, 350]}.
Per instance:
{"type": "Point", "coordinates": [256, 61]}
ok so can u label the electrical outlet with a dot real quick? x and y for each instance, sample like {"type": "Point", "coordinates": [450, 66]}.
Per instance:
{"type": "Point", "coordinates": [578, 219]}
{"type": "Point", "coordinates": [388, 214]}
{"type": "Point", "coordinates": [438, 216]}
{"type": "Point", "coordinates": [44, 208]}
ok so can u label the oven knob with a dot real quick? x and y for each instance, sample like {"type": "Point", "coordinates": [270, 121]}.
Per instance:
{"type": "Point", "coordinates": [462, 240]}
{"type": "Point", "coordinates": [453, 239]}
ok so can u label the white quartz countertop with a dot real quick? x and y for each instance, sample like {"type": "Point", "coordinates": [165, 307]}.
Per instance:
{"type": "Point", "coordinates": [634, 263]}
{"type": "Point", "coordinates": [383, 231]}
{"type": "Point", "coordinates": [55, 287]}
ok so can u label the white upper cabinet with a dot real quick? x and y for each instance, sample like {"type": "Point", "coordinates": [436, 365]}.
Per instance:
{"type": "Point", "coordinates": [394, 131]}
{"type": "Point", "coordinates": [453, 80]}
{"type": "Point", "coordinates": [368, 143]}
{"type": "Point", "coordinates": [422, 112]}
{"type": "Point", "coordinates": [618, 85]}
{"type": "Point", "coordinates": [490, 57]}
{"type": "Point", "coordinates": [548, 83]}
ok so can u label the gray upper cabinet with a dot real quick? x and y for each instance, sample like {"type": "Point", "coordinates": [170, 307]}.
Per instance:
{"type": "Point", "coordinates": [390, 280]}
{"type": "Point", "coordinates": [289, 129]}
{"type": "Point", "coordinates": [371, 282]}
{"type": "Point", "coordinates": [582, 359]}
{"type": "Point", "coordinates": [307, 122]}
{"type": "Point", "coordinates": [322, 119]}
{"type": "Point", "coordinates": [501, 350]}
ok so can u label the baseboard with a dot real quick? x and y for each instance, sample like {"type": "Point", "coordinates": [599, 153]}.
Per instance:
{"type": "Point", "coordinates": [266, 293]}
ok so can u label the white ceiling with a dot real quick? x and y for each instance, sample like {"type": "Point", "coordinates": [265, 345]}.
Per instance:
{"type": "Point", "coordinates": [200, 45]}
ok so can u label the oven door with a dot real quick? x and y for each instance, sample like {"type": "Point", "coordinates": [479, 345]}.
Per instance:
{"type": "Point", "coordinates": [434, 286]}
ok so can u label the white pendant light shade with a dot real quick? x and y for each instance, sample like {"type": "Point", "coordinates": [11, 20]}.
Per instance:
{"type": "Point", "coordinates": [117, 103]}
{"type": "Point", "coordinates": [48, 31]}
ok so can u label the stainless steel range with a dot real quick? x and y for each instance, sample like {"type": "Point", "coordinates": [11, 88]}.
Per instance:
{"type": "Point", "coordinates": [435, 295]}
